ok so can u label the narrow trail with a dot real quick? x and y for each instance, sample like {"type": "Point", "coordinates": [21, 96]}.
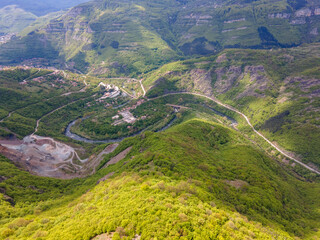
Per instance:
{"type": "Point", "coordinates": [122, 78]}
{"type": "Point", "coordinates": [133, 97]}
{"type": "Point", "coordinates": [248, 122]}
{"type": "Point", "coordinates": [64, 94]}
{"type": "Point", "coordinates": [80, 91]}
{"type": "Point", "coordinates": [9, 115]}
{"type": "Point", "coordinates": [143, 89]}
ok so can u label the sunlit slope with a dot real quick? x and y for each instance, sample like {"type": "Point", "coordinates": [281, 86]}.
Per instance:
{"type": "Point", "coordinates": [278, 90]}
{"type": "Point", "coordinates": [189, 181]}
{"type": "Point", "coordinates": [113, 38]}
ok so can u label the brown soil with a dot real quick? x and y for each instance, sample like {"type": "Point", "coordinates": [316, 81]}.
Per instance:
{"type": "Point", "coordinates": [108, 236]}
{"type": "Point", "coordinates": [47, 157]}
{"type": "Point", "coordinates": [226, 78]}
{"type": "Point", "coordinates": [104, 236]}
{"type": "Point", "coordinates": [237, 183]}
{"type": "Point", "coordinates": [222, 58]}
{"type": "Point", "coordinates": [258, 81]}
{"type": "Point", "coordinates": [109, 175]}
{"type": "Point", "coordinates": [119, 157]}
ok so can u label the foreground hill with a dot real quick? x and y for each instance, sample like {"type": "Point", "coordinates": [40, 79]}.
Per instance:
{"type": "Point", "coordinates": [131, 37]}
{"type": "Point", "coordinates": [198, 179]}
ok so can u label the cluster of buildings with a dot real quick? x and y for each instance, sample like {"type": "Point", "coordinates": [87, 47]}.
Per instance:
{"type": "Point", "coordinates": [139, 102]}
{"type": "Point", "coordinates": [111, 91]}
{"type": "Point", "coordinates": [127, 117]}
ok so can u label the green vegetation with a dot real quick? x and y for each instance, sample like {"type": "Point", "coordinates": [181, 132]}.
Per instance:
{"type": "Point", "coordinates": [100, 124]}
{"type": "Point", "coordinates": [186, 176]}
{"type": "Point", "coordinates": [209, 175]}
{"type": "Point", "coordinates": [122, 38]}
{"type": "Point", "coordinates": [29, 94]}
{"type": "Point", "coordinates": [277, 90]}
{"type": "Point", "coordinates": [14, 19]}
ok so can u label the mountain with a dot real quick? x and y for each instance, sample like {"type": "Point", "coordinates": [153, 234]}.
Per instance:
{"type": "Point", "coordinates": [180, 183]}
{"type": "Point", "coordinates": [149, 119]}
{"type": "Point", "coordinates": [16, 15]}
{"type": "Point", "coordinates": [14, 19]}
{"type": "Point", "coordinates": [40, 8]}
{"type": "Point", "coordinates": [124, 37]}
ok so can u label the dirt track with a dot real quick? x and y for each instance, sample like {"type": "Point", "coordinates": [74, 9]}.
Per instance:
{"type": "Point", "coordinates": [47, 157]}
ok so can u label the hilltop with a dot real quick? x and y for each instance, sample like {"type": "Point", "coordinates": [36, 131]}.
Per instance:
{"type": "Point", "coordinates": [194, 177]}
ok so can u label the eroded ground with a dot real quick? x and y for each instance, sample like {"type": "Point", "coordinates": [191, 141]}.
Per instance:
{"type": "Point", "coordinates": [47, 157]}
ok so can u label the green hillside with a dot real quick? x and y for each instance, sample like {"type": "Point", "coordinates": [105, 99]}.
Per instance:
{"type": "Point", "coordinates": [111, 38]}
{"type": "Point", "coordinates": [41, 8]}
{"type": "Point", "coordinates": [149, 119]}
{"type": "Point", "coordinates": [278, 90]}
{"type": "Point", "coordinates": [188, 182]}
{"type": "Point", "coordinates": [14, 19]}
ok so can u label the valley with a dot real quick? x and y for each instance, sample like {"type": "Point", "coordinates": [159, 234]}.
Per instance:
{"type": "Point", "coordinates": [61, 144]}
{"type": "Point", "coordinates": [183, 119]}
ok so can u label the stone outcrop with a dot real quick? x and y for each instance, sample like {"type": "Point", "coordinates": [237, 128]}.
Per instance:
{"type": "Point", "coordinates": [279, 15]}
{"type": "Point", "coordinates": [306, 12]}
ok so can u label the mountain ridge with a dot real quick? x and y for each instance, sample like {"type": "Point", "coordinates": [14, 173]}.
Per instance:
{"type": "Point", "coordinates": [101, 37]}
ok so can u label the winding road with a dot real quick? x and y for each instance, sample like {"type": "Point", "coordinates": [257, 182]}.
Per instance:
{"type": "Point", "coordinates": [249, 123]}
{"type": "Point", "coordinates": [143, 89]}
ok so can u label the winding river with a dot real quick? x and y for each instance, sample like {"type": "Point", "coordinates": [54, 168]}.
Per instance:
{"type": "Point", "coordinates": [76, 137]}
{"type": "Point", "coordinates": [232, 120]}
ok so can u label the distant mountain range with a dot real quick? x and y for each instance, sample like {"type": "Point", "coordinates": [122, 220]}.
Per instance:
{"type": "Point", "coordinates": [15, 15]}
{"type": "Point", "coordinates": [40, 8]}
{"type": "Point", "coordinates": [108, 37]}
{"type": "Point", "coordinates": [14, 19]}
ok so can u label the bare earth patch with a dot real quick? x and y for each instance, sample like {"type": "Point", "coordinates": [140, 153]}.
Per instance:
{"type": "Point", "coordinates": [44, 156]}
{"type": "Point", "coordinates": [108, 236]}
{"type": "Point", "coordinates": [237, 183]}
{"type": "Point", "coordinates": [119, 157]}
{"type": "Point", "coordinates": [104, 236]}
{"type": "Point", "coordinates": [109, 175]}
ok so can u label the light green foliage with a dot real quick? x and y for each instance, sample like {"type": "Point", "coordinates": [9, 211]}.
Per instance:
{"type": "Point", "coordinates": [288, 79]}
{"type": "Point", "coordinates": [113, 38]}
{"type": "Point", "coordinates": [179, 183]}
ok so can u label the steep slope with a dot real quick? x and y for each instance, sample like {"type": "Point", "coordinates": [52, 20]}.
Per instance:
{"type": "Point", "coordinates": [40, 8]}
{"type": "Point", "coordinates": [14, 19]}
{"type": "Point", "coordinates": [246, 23]}
{"type": "Point", "coordinates": [187, 182]}
{"type": "Point", "coordinates": [101, 34]}
{"type": "Point", "coordinates": [114, 38]}
{"type": "Point", "coordinates": [278, 90]}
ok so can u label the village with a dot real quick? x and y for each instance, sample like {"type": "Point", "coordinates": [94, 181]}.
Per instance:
{"type": "Point", "coordinates": [127, 116]}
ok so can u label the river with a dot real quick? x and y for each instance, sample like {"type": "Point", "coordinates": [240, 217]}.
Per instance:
{"type": "Point", "coordinates": [74, 136]}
